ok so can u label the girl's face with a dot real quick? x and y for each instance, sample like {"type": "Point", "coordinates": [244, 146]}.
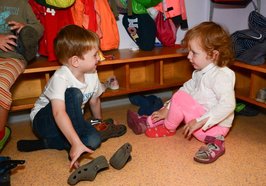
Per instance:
{"type": "Point", "coordinates": [197, 56]}
{"type": "Point", "coordinates": [89, 63]}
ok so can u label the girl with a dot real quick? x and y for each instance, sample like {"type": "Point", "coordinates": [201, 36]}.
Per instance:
{"type": "Point", "coordinates": [206, 102]}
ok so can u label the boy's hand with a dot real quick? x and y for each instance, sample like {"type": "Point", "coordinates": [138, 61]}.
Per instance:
{"type": "Point", "coordinates": [7, 42]}
{"type": "Point", "coordinates": [75, 152]}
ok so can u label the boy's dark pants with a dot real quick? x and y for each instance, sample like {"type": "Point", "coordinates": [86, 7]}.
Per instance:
{"type": "Point", "coordinates": [45, 127]}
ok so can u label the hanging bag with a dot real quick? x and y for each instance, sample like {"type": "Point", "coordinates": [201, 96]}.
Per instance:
{"type": "Point", "coordinates": [165, 30]}
{"type": "Point", "coordinates": [142, 30]}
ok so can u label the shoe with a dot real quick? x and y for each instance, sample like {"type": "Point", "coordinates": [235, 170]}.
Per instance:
{"type": "Point", "coordinates": [88, 171]}
{"type": "Point", "coordinates": [212, 151]}
{"type": "Point", "coordinates": [112, 83]}
{"type": "Point", "coordinates": [121, 156]}
{"type": "Point", "coordinates": [246, 110]}
{"type": "Point", "coordinates": [94, 121]}
{"type": "Point", "coordinates": [6, 164]}
{"type": "Point", "coordinates": [27, 43]}
{"type": "Point", "coordinates": [5, 139]}
{"type": "Point", "coordinates": [261, 95]}
{"type": "Point", "coordinates": [158, 132]}
{"type": "Point", "coordinates": [108, 130]}
{"type": "Point", "coordinates": [136, 123]}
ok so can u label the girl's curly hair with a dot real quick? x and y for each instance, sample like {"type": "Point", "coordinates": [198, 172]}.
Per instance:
{"type": "Point", "coordinates": [212, 37]}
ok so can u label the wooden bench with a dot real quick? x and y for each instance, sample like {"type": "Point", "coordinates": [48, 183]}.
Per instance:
{"type": "Point", "coordinates": [136, 71]}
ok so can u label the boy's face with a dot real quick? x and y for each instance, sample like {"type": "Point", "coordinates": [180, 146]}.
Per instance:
{"type": "Point", "coordinates": [197, 56]}
{"type": "Point", "coordinates": [89, 63]}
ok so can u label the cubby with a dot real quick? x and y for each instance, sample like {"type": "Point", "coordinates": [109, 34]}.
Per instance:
{"type": "Point", "coordinates": [136, 71]}
{"type": "Point", "coordinates": [249, 80]}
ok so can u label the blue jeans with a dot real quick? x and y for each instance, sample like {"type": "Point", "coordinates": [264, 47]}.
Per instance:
{"type": "Point", "coordinates": [45, 127]}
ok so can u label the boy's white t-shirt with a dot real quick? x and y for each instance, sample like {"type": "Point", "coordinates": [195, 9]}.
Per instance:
{"type": "Point", "coordinates": [63, 79]}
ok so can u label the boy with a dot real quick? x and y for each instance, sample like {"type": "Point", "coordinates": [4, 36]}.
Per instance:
{"type": "Point", "coordinates": [57, 117]}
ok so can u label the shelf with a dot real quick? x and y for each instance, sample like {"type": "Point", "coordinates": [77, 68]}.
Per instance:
{"type": "Point", "coordinates": [23, 104]}
{"type": "Point", "coordinates": [136, 71]}
{"type": "Point", "coordinates": [249, 80]}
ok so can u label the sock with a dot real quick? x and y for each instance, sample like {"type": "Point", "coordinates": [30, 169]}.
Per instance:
{"type": "Point", "coordinates": [30, 145]}
{"type": "Point", "coordinates": [2, 133]}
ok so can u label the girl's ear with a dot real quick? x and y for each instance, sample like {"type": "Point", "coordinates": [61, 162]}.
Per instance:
{"type": "Point", "coordinates": [215, 55]}
{"type": "Point", "coordinates": [74, 61]}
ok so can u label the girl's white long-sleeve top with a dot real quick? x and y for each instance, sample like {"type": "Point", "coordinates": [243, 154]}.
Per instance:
{"type": "Point", "coordinates": [213, 88]}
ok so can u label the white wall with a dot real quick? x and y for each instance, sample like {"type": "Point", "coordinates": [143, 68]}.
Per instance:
{"type": "Point", "coordinates": [198, 11]}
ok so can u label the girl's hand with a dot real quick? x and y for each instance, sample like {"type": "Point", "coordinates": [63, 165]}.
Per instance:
{"type": "Point", "coordinates": [75, 152]}
{"type": "Point", "coordinates": [15, 26]}
{"type": "Point", "coordinates": [159, 115]}
{"type": "Point", "coordinates": [192, 126]}
{"type": "Point", "coordinates": [7, 42]}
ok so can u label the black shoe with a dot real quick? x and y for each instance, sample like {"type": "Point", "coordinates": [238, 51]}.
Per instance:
{"type": "Point", "coordinates": [28, 43]}
{"type": "Point", "coordinates": [6, 164]}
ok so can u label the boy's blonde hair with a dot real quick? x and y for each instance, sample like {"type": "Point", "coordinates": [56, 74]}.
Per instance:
{"type": "Point", "coordinates": [73, 40]}
{"type": "Point", "coordinates": [212, 37]}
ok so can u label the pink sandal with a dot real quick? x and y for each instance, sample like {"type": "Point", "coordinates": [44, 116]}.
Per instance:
{"type": "Point", "coordinates": [211, 152]}
{"type": "Point", "coordinates": [159, 131]}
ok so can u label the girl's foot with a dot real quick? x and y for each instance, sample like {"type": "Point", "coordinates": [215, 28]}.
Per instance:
{"type": "Point", "coordinates": [159, 131]}
{"type": "Point", "coordinates": [212, 151]}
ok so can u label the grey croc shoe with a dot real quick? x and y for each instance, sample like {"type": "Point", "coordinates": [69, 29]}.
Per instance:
{"type": "Point", "coordinates": [121, 156]}
{"type": "Point", "coordinates": [88, 171]}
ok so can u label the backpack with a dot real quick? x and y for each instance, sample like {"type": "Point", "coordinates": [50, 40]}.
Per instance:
{"type": "Point", "coordinates": [249, 44]}
{"type": "Point", "coordinates": [110, 35]}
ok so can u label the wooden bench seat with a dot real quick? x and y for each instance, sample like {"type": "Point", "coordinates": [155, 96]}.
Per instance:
{"type": "Point", "coordinates": [136, 71]}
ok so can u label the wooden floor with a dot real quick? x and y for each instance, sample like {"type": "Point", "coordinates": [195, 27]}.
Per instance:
{"type": "Point", "coordinates": [158, 162]}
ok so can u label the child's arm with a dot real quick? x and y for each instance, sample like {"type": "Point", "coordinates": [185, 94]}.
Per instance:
{"type": "Point", "coordinates": [65, 125]}
{"type": "Point", "coordinates": [95, 106]}
{"type": "Point", "coordinates": [192, 126]}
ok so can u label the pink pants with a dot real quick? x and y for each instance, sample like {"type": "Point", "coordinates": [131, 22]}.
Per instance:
{"type": "Point", "coordinates": [184, 108]}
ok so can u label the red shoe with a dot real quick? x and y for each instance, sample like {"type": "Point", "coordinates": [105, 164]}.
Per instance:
{"type": "Point", "coordinates": [159, 131]}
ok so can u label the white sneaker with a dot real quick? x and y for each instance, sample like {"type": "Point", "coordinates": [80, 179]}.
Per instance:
{"type": "Point", "coordinates": [112, 83]}
{"type": "Point", "coordinates": [261, 95]}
